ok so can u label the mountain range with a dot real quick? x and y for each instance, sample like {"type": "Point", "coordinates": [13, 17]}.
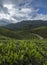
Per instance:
{"type": "Point", "coordinates": [24, 29]}
{"type": "Point", "coordinates": [27, 24]}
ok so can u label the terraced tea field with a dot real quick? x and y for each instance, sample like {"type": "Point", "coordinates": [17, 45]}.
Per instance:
{"type": "Point", "coordinates": [23, 52]}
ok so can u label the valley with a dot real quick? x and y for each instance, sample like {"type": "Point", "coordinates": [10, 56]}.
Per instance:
{"type": "Point", "coordinates": [23, 44]}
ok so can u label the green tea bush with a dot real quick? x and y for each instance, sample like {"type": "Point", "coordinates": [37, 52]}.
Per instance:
{"type": "Point", "coordinates": [23, 52]}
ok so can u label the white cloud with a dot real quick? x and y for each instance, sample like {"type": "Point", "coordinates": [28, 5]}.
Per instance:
{"type": "Point", "coordinates": [40, 17]}
{"type": "Point", "coordinates": [20, 10]}
{"type": "Point", "coordinates": [5, 16]}
{"type": "Point", "coordinates": [8, 6]}
{"type": "Point", "coordinates": [16, 14]}
{"type": "Point", "coordinates": [26, 10]}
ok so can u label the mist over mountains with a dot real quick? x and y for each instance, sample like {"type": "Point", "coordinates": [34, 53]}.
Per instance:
{"type": "Point", "coordinates": [4, 22]}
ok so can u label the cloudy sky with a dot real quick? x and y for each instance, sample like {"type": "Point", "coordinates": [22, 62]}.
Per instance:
{"type": "Point", "coordinates": [17, 10]}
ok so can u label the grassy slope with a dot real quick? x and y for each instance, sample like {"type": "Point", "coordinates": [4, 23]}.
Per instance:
{"type": "Point", "coordinates": [41, 31]}
{"type": "Point", "coordinates": [17, 34]}
{"type": "Point", "coordinates": [23, 52]}
{"type": "Point", "coordinates": [24, 34]}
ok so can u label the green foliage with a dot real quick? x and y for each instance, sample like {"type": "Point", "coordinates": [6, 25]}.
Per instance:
{"type": "Point", "coordinates": [22, 47]}
{"type": "Point", "coordinates": [24, 34]}
{"type": "Point", "coordinates": [41, 31]}
{"type": "Point", "coordinates": [23, 52]}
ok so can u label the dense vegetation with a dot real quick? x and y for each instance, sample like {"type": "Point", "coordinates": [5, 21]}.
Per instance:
{"type": "Point", "coordinates": [23, 52]}
{"type": "Point", "coordinates": [21, 43]}
{"type": "Point", "coordinates": [35, 26]}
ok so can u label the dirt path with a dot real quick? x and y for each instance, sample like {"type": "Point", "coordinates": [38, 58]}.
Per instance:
{"type": "Point", "coordinates": [39, 36]}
